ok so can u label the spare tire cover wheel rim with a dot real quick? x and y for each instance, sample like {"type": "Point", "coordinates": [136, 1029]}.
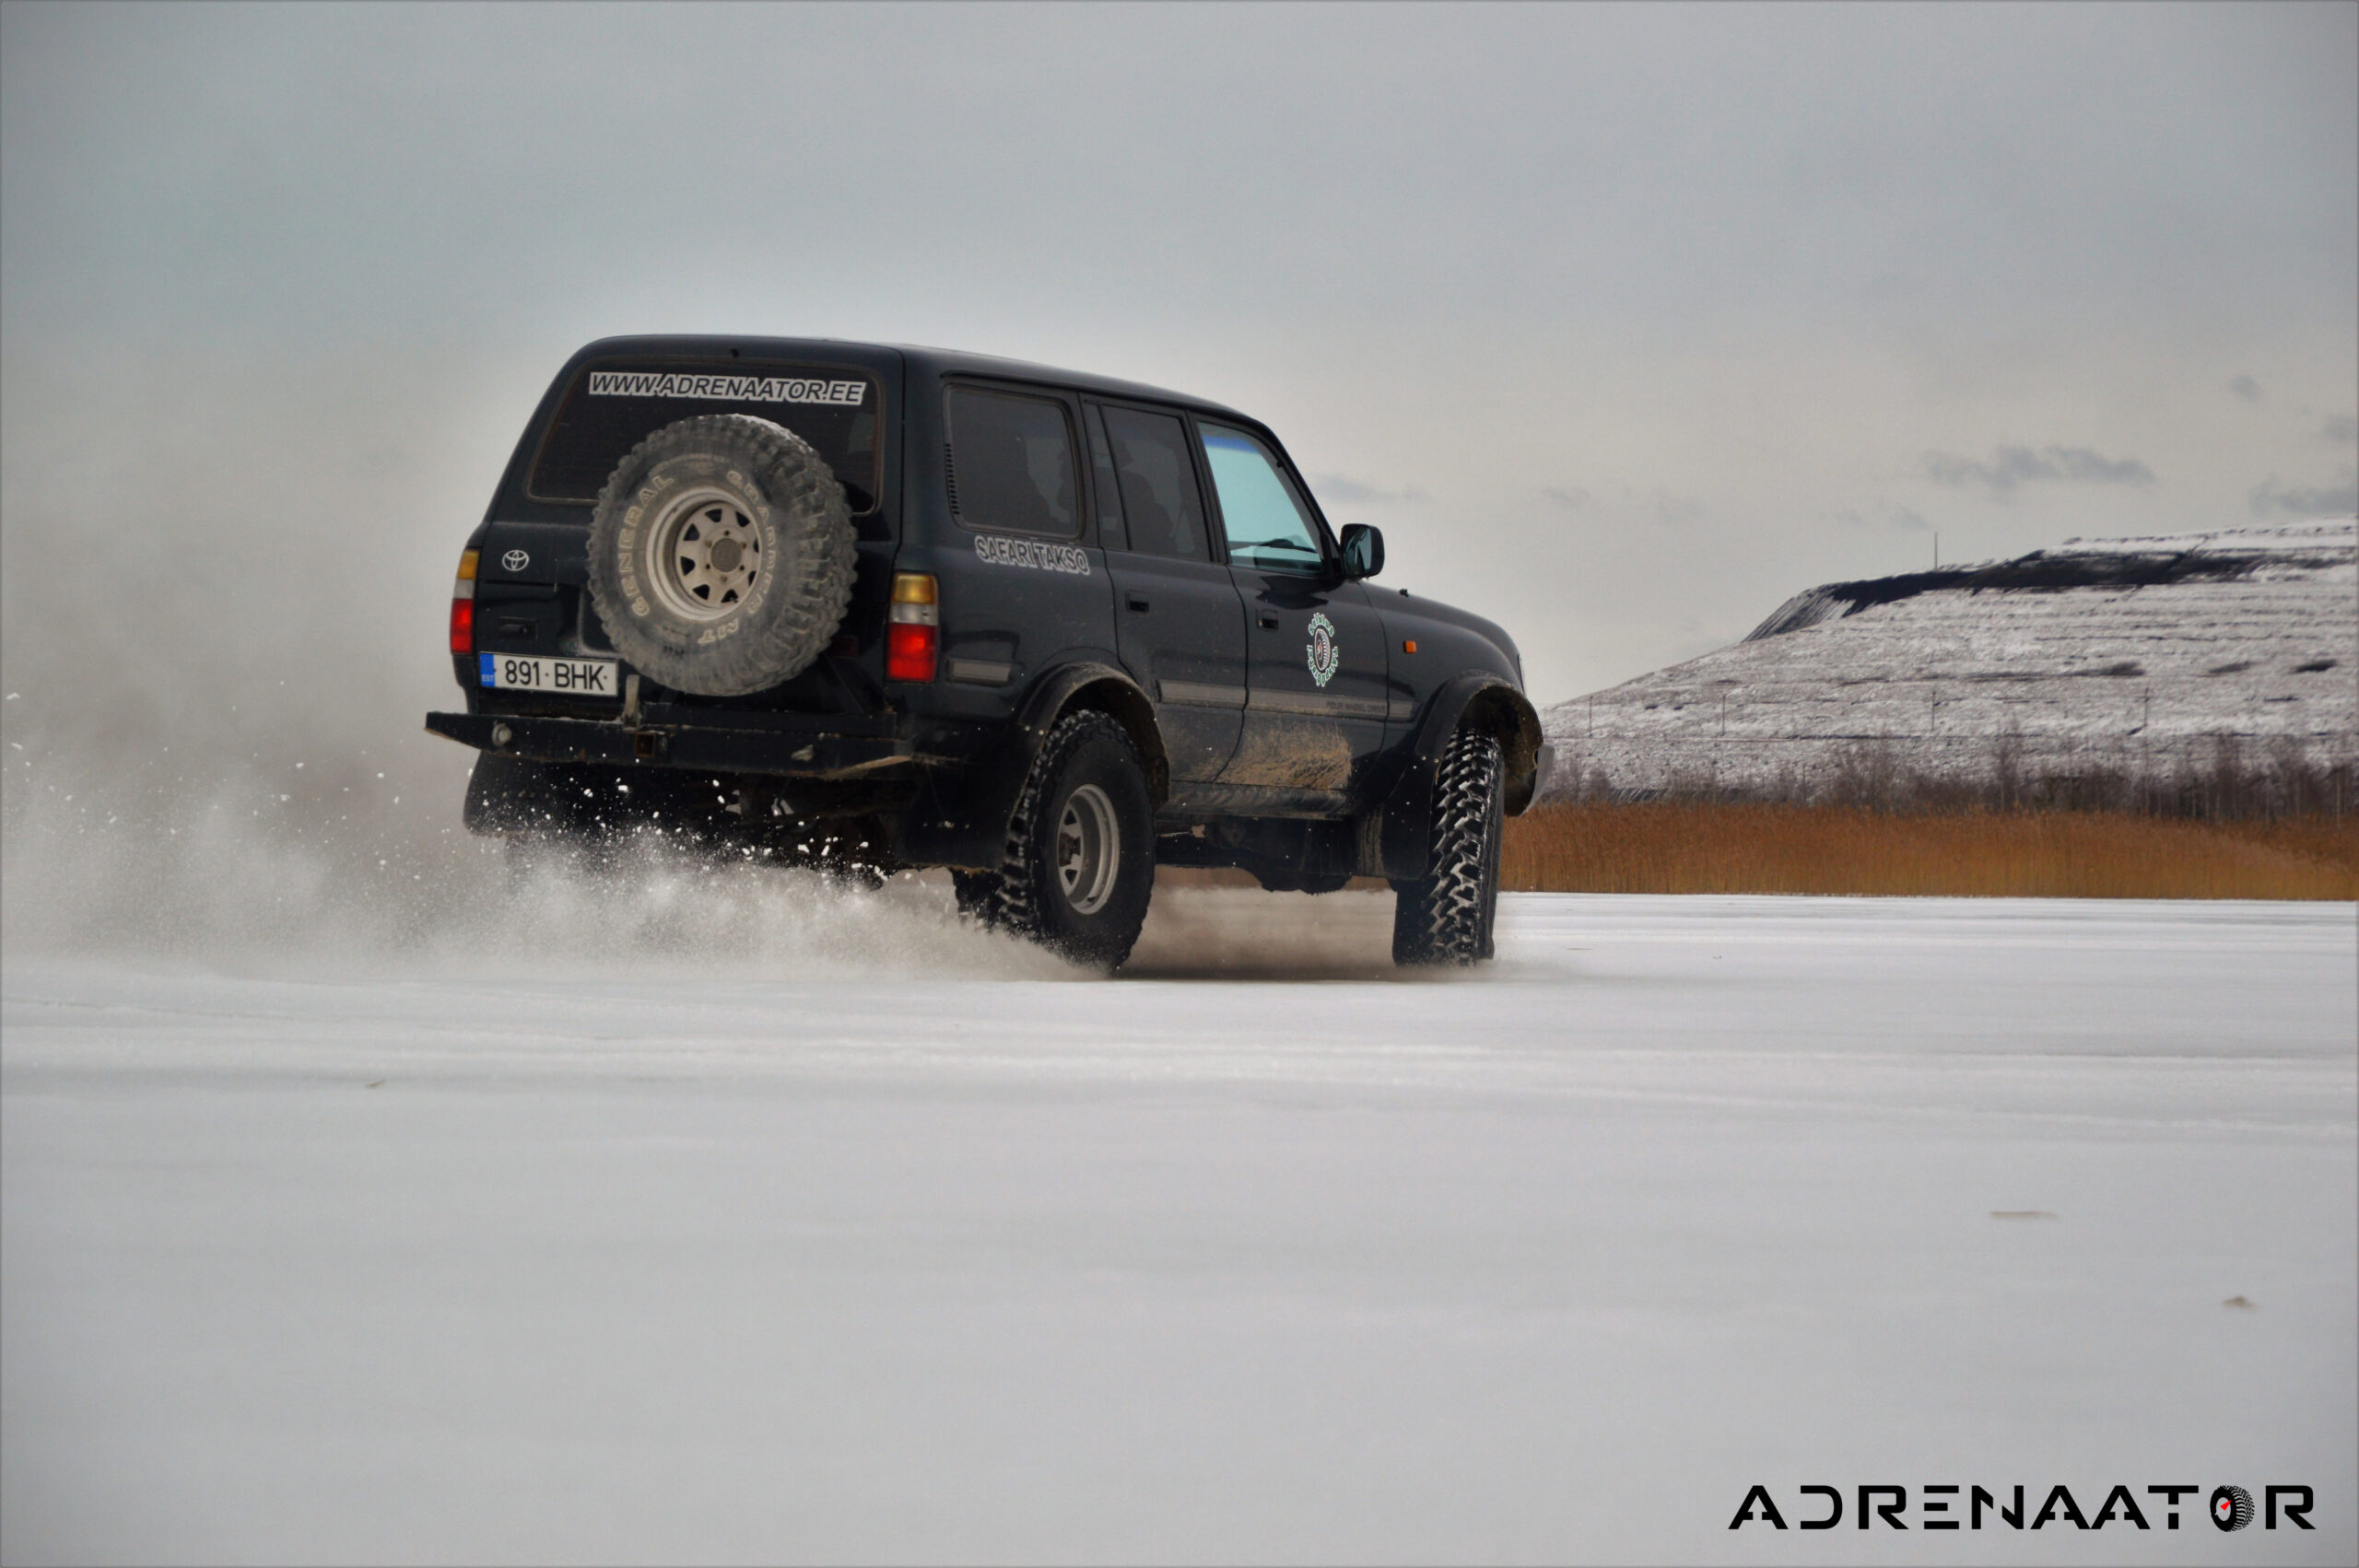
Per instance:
{"type": "Point", "coordinates": [787, 529]}
{"type": "Point", "coordinates": [704, 555]}
{"type": "Point", "coordinates": [1089, 850]}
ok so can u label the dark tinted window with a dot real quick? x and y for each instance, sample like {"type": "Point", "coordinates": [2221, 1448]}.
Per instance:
{"type": "Point", "coordinates": [1011, 463]}
{"type": "Point", "coordinates": [614, 406]}
{"type": "Point", "coordinates": [1166, 516]}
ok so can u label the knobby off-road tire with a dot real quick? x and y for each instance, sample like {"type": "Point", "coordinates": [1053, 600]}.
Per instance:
{"type": "Point", "coordinates": [1080, 860]}
{"type": "Point", "coordinates": [1448, 916]}
{"type": "Point", "coordinates": [721, 555]}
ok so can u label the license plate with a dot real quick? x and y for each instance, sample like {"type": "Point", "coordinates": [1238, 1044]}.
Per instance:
{"type": "Point", "coordinates": [565, 677]}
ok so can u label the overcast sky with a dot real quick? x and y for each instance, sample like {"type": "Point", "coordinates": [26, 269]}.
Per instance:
{"type": "Point", "coordinates": [1624, 323]}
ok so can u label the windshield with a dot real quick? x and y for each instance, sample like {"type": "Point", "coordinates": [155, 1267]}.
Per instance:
{"type": "Point", "coordinates": [613, 406]}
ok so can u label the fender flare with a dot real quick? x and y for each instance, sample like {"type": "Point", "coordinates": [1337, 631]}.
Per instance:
{"type": "Point", "coordinates": [959, 817]}
{"type": "Point", "coordinates": [1111, 691]}
{"type": "Point", "coordinates": [1476, 700]}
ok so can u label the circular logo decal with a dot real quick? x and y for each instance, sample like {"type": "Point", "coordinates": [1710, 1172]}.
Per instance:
{"type": "Point", "coordinates": [2230, 1507]}
{"type": "Point", "coordinates": [1323, 652]}
{"type": "Point", "coordinates": [515, 560]}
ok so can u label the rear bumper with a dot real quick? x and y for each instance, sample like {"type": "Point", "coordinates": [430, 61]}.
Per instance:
{"type": "Point", "coordinates": [813, 752]}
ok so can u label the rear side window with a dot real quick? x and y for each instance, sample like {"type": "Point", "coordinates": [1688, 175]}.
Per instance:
{"type": "Point", "coordinates": [1010, 464]}
{"type": "Point", "coordinates": [611, 407]}
{"type": "Point", "coordinates": [1160, 499]}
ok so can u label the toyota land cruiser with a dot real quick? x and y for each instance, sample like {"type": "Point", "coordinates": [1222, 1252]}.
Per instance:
{"type": "Point", "coordinates": [890, 607]}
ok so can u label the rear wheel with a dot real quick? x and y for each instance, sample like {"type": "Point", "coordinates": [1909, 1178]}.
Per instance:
{"type": "Point", "coordinates": [1446, 917]}
{"type": "Point", "coordinates": [1080, 861]}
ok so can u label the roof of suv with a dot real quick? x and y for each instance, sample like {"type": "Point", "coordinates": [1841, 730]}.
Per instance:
{"type": "Point", "coordinates": [919, 360]}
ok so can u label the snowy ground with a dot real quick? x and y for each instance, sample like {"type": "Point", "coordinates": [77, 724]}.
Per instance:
{"type": "Point", "coordinates": [419, 1260]}
{"type": "Point", "coordinates": [2139, 680]}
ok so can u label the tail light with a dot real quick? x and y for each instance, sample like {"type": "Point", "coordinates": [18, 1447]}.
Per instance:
{"type": "Point", "coordinates": [913, 632]}
{"type": "Point", "coordinates": [463, 606]}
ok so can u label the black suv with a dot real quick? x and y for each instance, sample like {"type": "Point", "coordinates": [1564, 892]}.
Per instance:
{"type": "Point", "coordinates": [887, 607]}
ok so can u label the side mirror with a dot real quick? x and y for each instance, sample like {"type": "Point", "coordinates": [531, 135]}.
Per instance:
{"type": "Point", "coordinates": [1363, 551]}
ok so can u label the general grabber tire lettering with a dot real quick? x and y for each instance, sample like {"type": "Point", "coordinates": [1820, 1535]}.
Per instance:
{"type": "Point", "coordinates": [1080, 860]}
{"type": "Point", "coordinates": [1448, 916]}
{"type": "Point", "coordinates": [721, 555]}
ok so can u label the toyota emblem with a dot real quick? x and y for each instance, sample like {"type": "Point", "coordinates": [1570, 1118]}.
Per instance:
{"type": "Point", "coordinates": [515, 560]}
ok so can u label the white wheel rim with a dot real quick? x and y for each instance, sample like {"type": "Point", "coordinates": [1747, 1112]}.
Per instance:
{"type": "Point", "coordinates": [704, 555]}
{"type": "Point", "coordinates": [1089, 850]}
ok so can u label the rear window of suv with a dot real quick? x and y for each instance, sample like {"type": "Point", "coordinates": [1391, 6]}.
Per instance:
{"type": "Point", "coordinates": [611, 407]}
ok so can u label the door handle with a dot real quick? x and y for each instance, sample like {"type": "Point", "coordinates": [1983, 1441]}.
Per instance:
{"type": "Point", "coordinates": [1137, 602]}
{"type": "Point", "coordinates": [1269, 622]}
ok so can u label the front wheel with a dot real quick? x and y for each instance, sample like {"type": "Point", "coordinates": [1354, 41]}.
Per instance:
{"type": "Point", "coordinates": [1446, 917]}
{"type": "Point", "coordinates": [1080, 862]}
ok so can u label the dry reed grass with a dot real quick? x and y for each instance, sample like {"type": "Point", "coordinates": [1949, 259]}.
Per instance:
{"type": "Point", "coordinates": [1693, 848]}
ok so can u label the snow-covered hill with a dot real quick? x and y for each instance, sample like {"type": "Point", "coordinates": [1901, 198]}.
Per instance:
{"type": "Point", "coordinates": [2130, 656]}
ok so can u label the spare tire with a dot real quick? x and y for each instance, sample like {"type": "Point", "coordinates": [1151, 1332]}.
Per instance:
{"type": "Point", "coordinates": [721, 555]}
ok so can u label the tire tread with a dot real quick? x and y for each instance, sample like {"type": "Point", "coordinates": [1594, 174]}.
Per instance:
{"type": "Point", "coordinates": [1009, 899]}
{"type": "Point", "coordinates": [1446, 918]}
{"type": "Point", "coordinates": [813, 584]}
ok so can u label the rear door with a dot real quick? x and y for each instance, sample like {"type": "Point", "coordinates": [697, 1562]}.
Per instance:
{"type": "Point", "coordinates": [1179, 623]}
{"type": "Point", "coordinates": [1316, 652]}
{"type": "Point", "coordinates": [1017, 586]}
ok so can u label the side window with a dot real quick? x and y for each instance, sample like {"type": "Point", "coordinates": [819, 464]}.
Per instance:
{"type": "Point", "coordinates": [1166, 514]}
{"type": "Point", "coordinates": [1110, 534]}
{"type": "Point", "coordinates": [1267, 526]}
{"type": "Point", "coordinates": [1011, 463]}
